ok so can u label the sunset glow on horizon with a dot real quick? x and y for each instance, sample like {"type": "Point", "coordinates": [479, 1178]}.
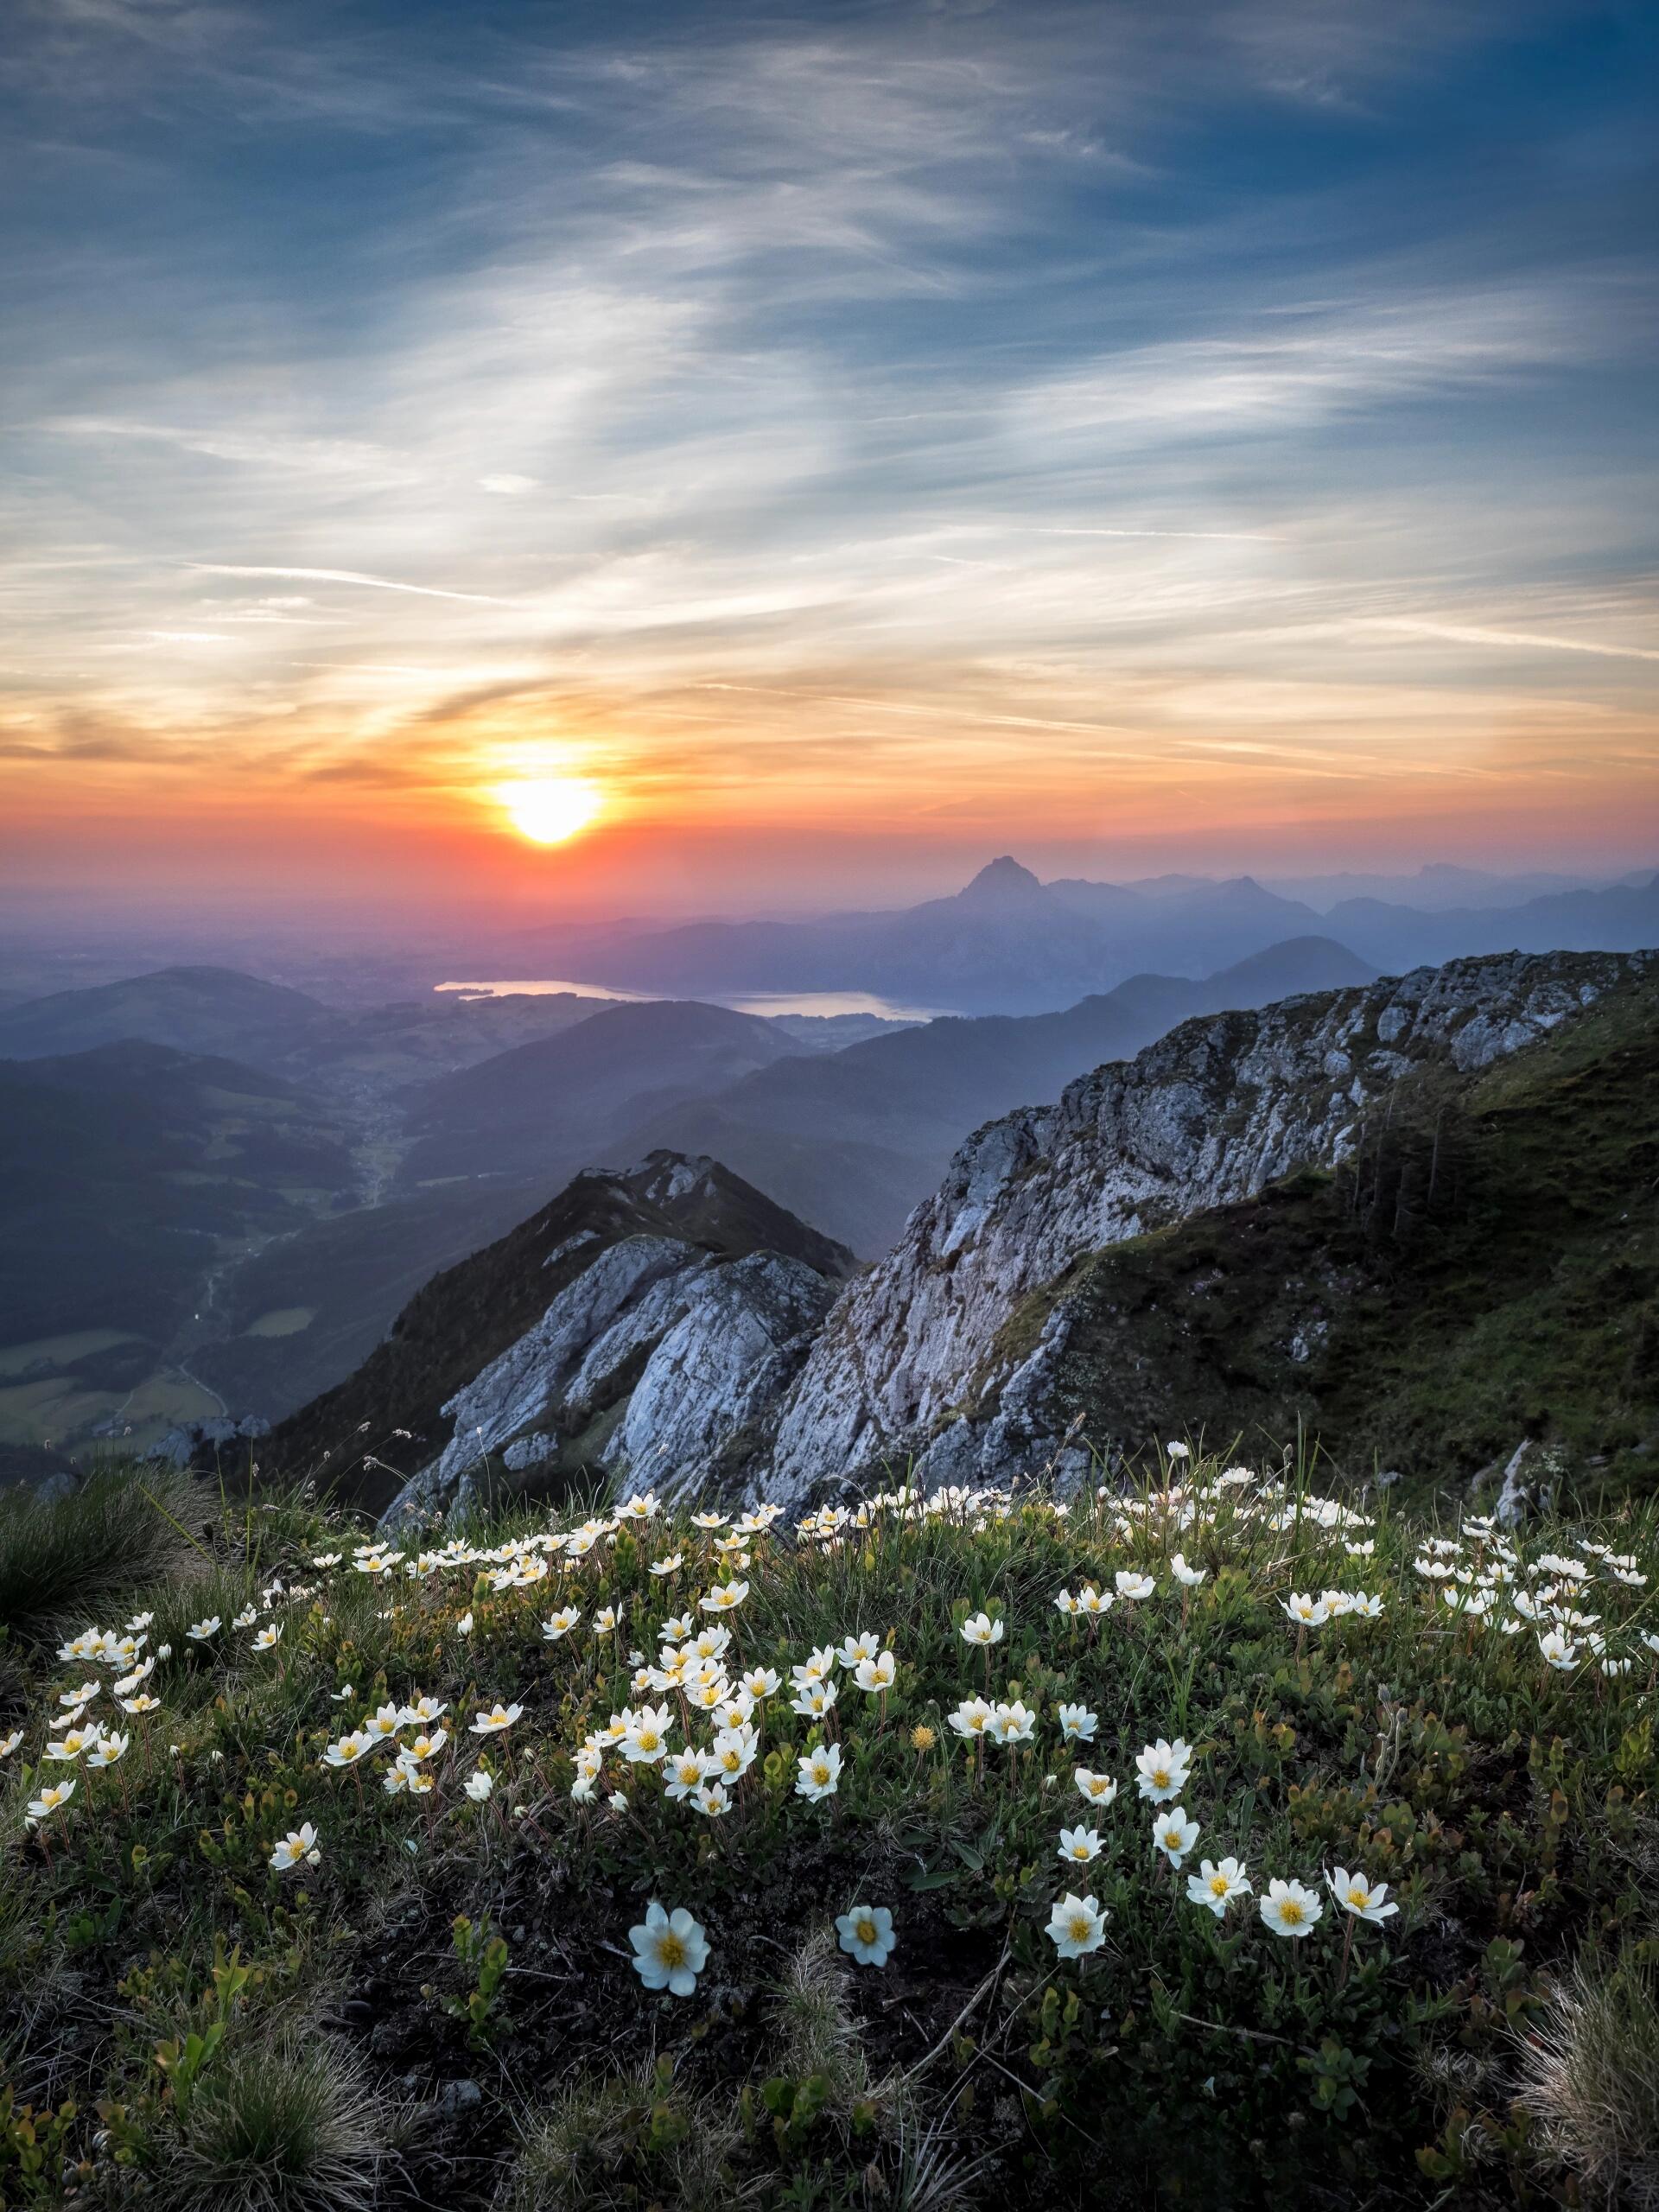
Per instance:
{"type": "Point", "coordinates": [846, 444]}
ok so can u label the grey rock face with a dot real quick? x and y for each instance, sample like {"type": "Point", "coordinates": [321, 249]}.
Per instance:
{"type": "Point", "coordinates": [693, 1354]}
{"type": "Point", "coordinates": [915, 1351]}
{"type": "Point", "coordinates": [720, 1370]}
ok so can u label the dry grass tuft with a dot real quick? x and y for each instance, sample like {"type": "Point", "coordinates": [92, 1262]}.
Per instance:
{"type": "Point", "coordinates": [1591, 2077]}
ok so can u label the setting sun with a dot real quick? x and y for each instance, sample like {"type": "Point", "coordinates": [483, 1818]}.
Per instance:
{"type": "Point", "coordinates": [551, 809]}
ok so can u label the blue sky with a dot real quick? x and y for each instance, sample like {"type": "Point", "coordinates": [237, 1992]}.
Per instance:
{"type": "Point", "coordinates": [1219, 432]}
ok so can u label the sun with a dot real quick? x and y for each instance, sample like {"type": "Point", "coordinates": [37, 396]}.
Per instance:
{"type": "Point", "coordinates": [551, 809]}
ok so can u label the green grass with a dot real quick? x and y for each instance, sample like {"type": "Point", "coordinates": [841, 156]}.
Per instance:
{"type": "Point", "coordinates": [444, 2010]}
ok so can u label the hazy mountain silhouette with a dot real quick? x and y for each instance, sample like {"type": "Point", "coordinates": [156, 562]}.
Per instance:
{"type": "Point", "coordinates": [852, 1141]}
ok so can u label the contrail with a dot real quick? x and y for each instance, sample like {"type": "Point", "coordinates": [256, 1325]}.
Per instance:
{"type": "Point", "coordinates": [345, 576]}
{"type": "Point", "coordinates": [1228, 536]}
{"type": "Point", "coordinates": [1461, 634]}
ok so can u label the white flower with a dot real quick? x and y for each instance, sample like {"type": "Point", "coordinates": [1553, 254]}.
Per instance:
{"type": "Point", "coordinates": [1133, 1586]}
{"type": "Point", "coordinates": [972, 1718]}
{"type": "Point", "coordinates": [1189, 1576]}
{"type": "Point", "coordinates": [1163, 1769]}
{"type": "Point", "coordinates": [1355, 1895]}
{"type": "Point", "coordinates": [682, 1772]}
{"type": "Point", "coordinates": [1174, 1835]}
{"type": "Point", "coordinates": [1098, 1789]}
{"type": "Point", "coordinates": [349, 1749]}
{"type": "Point", "coordinates": [663, 1567]}
{"type": "Point", "coordinates": [464, 1625]}
{"type": "Point", "coordinates": [866, 1934]}
{"type": "Point", "coordinates": [814, 1700]}
{"type": "Point", "coordinates": [198, 1631]}
{"type": "Point", "coordinates": [734, 1751]}
{"type": "Point", "coordinates": [478, 1785]}
{"type": "Point", "coordinates": [1289, 1910]}
{"type": "Point", "coordinates": [300, 1843]}
{"type": "Point", "coordinates": [499, 1717]}
{"type": "Point", "coordinates": [269, 1637]}
{"type": "Point", "coordinates": [1560, 1651]}
{"type": "Point", "coordinates": [1079, 1843]}
{"type": "Point", "coordinates": [70, 1746]}
{"type": "Point", "coordinates": [761, 1682]}
{"type": "Point", "coordinates": [107, 1750]}
{"type": "Point", "coordinates": [724, 1598]}
{"type": "Point", "coordinates": [711, 1799]}
{"type": "Point", "coordinates": [669, 1950]}
{"type": "Point", "coordinates": [1215, 1886]}
{"type": "Point", "coordinates": [1077, 1926]}
{"type": "Point", "coordinates": [864, 1645]}
{"type": "Point", "coordinates": [819, 1773]}
{"type": "Point", "coordinates": [560, 1624]}
{"type": "Point", "coordinates": [1078, 1724]}
{"type": "Point", "coordinates": [1013, 1723]}
{"type": "Point", "coordinates": [51, 1799]}
{"type": "Point", "coordinates": [980, 1628]}
{"type": "Point", "coordinates": [8, 1744]}
{"type": "Point", "coordinates": [1306, 1610]}
{"type": "Point", "coordinates": [878, 1673]}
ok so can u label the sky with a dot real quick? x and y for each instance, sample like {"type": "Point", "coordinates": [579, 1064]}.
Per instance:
{"type": "Point", "coordinates": [844, 441]}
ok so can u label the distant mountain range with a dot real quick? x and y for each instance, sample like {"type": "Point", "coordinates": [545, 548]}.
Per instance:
{"type": "Point", "coordinates": [1008, 943]}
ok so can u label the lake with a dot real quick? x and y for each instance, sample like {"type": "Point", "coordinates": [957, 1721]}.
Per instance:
{"type": "Point", "coordinates": [761, 1003]}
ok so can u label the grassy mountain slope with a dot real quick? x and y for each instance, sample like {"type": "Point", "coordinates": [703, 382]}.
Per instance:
{"type": "Point", "coordinates": [1487, 1269]}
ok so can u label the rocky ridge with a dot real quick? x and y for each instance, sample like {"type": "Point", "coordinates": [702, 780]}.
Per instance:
{"type": "Point", "coordinates": [943, 1357]}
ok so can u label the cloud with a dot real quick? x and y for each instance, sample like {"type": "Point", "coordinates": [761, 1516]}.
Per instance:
{"type": "Point", "coordinates": [1469, 633]}
{"type": "Point", "coordinates": [342, 576]}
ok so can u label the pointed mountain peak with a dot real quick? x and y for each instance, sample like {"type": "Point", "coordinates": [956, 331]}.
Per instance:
{"type": "Point", "coordinates": [1000, 883]}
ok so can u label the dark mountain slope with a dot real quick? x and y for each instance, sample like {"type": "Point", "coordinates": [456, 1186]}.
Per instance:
{"type": "Point", "coordinates": [212, 1010]}
{"type": "Point", "coordinates": [855, 1140]}
{"type": "Point", "coordinates": [121, 1168]}
{"type": "Point", "coordinates": [544, 1107]}
{"type": "Point", "coordinates": [1486, 1270]}
{"type": "Point", "coordinates": [466, 1317]}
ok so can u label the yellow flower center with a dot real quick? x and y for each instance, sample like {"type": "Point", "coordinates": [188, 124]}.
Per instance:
{"type": "Point", "coordinates": [670, 1949]}
{"type": "Point", "coordinates": [865, 1931]}
{"type": "Point", "coordinates": [1079, 1927]}
{"type": "Point", "coordinates": [1218, 1885]}
{"type": "Point", "coordinates": [1161, 1776]}
{"type": "Point", "coordinates": [1291, 1913]}
{"type": "Point", "coordinates": [1359, 1896]}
